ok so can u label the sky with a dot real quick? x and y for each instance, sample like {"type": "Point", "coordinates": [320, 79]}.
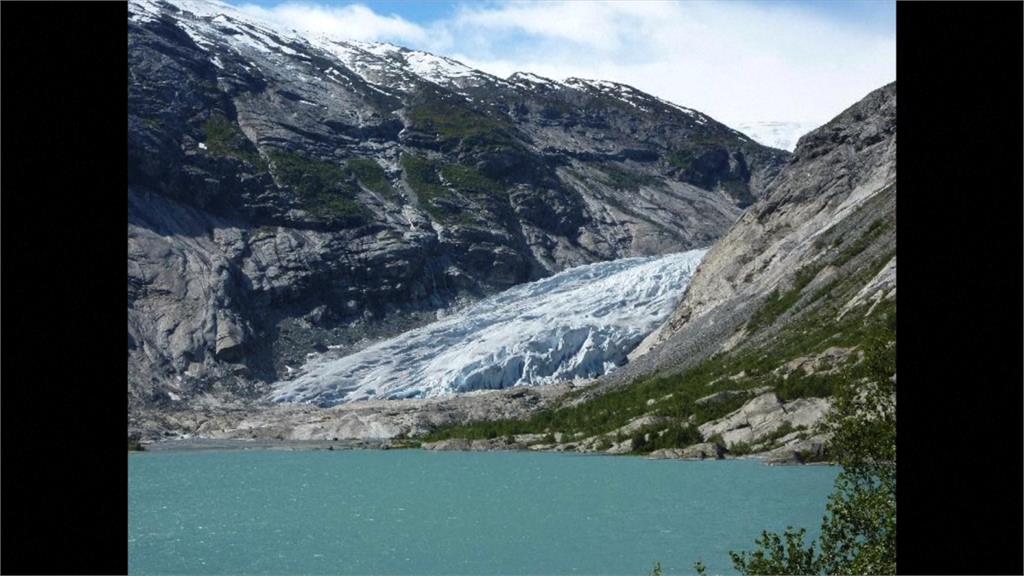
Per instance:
{"type": "Point", "coordinates": [735, 60]}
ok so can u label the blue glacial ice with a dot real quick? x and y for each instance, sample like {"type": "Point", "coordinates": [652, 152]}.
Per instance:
{"type": "Point", "coordinates": [578, 324]}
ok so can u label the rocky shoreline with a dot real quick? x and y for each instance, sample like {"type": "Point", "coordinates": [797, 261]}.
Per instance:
{"type": "Point", "coordinates": [692, 453]}
{"type": "Point", "coordinates": [763, 427]}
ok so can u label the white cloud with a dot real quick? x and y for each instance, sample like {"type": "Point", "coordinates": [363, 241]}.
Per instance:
{"type": "Point", "coordinates": [354, 21]}
{"type": "Point", "coordinates": [737, 62]}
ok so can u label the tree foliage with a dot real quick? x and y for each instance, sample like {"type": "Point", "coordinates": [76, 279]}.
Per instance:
{"type": "Point", "coordinates": [776, 554]}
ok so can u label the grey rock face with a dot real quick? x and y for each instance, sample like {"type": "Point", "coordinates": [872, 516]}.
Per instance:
{"type": "Point", "coordinates": [811, 449]}
{"type": "Point", "coordinates": [829, 215]}
{"type": "Point", "coordinates": [702, 451]}
{"type": "Point", "coordinates": [290, 193]}
{"type": "Point", "coordinates": [756, 420]}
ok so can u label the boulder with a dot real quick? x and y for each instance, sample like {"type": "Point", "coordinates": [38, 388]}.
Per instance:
{"type": "Point", "coordinates": [623, 447]}
{"type": "Point", "coordinates": [449, 444]}
{"type": "Point", "coordinates": [703, 451]}
{"type": "Point", "coordinates": [754, 412]}
{"type": "Point", "coordinates": [812, 449]}
{"type": "Point", "coordinates": [763, 416]}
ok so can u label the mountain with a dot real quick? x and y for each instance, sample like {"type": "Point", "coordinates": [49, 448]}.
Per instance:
{"type": "Point", "coordinates": [798, 297]}
{"type": "Point", "coordinates": [289, 192]}
{"type": "Point", "coordinates": [823, 236]}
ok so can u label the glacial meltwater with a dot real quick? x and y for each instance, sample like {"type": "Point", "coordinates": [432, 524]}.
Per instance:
{"type": "Point", "coordinates": [417, 512]}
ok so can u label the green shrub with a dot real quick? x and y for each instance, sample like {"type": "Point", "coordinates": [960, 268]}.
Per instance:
{"type": "Point", "coordinates": [676, 436]}
{"type": "Point", "coordinates": [740, 449]}
{"type": "Point", "coordinates": [777, 555]}
{"type": "Point", "coordinates": [802, 385]}
{"type": "Point", "coordinates": [639, 441]}
{"type": "Point", "coordinates": [709, 411]}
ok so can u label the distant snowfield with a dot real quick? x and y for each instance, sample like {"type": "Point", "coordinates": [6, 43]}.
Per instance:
{"type": "Point", "coordinates": [782, 135]}
{"type": "Point", "coordinates": [578, 324]}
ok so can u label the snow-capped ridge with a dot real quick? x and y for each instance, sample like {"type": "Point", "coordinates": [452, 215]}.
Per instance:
{"type": "Point", "coordinates": [632, 96]}
{"type": "Point", "coordinates": [529, 80]}
{"type": "Point", "coordinates": [384, 66]}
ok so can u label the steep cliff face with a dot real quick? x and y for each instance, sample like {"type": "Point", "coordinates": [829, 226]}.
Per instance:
{"type": "Point", "coordinates": [822, 238]}
{"type": "Point", "coordinates": [287, 192]}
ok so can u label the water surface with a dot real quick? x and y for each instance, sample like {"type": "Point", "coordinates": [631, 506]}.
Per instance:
{"type": "Point", "coordinates": [417, 512]}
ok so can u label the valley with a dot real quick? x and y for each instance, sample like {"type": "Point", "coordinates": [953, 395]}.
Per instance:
{"type": "Point", "coordinates": [340, 241]}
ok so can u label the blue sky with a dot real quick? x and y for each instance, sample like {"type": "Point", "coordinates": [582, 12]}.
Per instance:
{"type": "Point", "coordinates": [739, 61]}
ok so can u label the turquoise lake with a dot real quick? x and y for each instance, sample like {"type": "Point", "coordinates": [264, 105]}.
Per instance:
{"type": "Point", "coordinates": [418, 512]}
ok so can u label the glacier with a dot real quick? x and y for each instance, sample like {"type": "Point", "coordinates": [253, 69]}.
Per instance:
{"type": "Point", "coordinates": [578, 324]}
{"type": "Point", "coordinates": [781, 135]}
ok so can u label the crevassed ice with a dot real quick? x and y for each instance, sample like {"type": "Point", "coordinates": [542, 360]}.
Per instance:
{"type": "Point", "coordinates": [580, 323]}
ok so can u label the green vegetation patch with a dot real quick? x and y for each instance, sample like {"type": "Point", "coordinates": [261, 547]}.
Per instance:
{"type": "Point", "coordinates": [874, 231]}
{"type": "Point", "coordinates": [456, 123]}
{"type": "Point", "coordinates": [225, 139]}
{"type": "Point", "coordinates": [649, 439]}
{"type": "Point", "coordinates": [324, 188]}
{"type": "Point", "coordinates": [680, 159]}
{"type": "Point", "coordinates": [621, 179]}
{"type": "Point", "coordinates": [371, 175]}
{"type": "Point", "coordinates": [422, 174]}
{"type": "Point", "coordinates": [778, 303]}
{"type": "Point", "coordinates": [468, 180]}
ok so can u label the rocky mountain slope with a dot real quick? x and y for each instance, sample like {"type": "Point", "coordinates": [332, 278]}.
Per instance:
{"type": "Point", "coordinates": [798, 296]}
{"type": "Point", "coordinates": [288, 192]}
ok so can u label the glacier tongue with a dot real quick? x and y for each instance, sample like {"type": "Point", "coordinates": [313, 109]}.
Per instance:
{"type": "Point", "coordinates": [580, 323]}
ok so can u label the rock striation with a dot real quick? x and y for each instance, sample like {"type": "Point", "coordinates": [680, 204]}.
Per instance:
{"type": "Point", "coordinates": [823, 234]}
